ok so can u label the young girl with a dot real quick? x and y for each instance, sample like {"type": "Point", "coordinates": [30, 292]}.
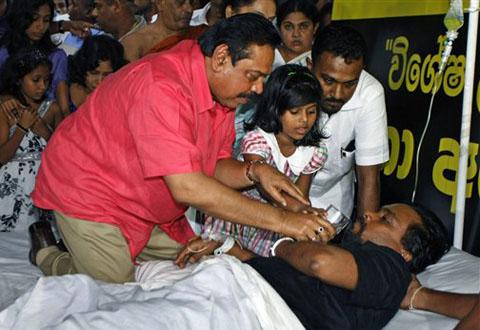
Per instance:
{"type": "Point", "coordinates": [297, 22]}
{"type": "Point", "coordinates": [24, 132]}
{"type": "Point", "coordinates": [97, 58]}
{"type": "Point", "coordinates": [28, 22]}
{"type": "Point", "coordinates": [284, 134]}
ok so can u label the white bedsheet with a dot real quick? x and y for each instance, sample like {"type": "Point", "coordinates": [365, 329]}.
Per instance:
{"type": "Point", "coordinates": [17, 275]}
{"type": "Point", "coordinates": [215, 294]}
{"type": "Point", "coordinates": [219, 293]}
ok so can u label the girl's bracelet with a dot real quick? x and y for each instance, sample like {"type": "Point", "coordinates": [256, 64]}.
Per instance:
{"type": "Point", "coordinates": [23, 129]}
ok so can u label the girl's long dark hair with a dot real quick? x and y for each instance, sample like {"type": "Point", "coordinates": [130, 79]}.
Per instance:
{"type": "Point", "coordinates": [18, 66]}
{"type": "Point", "coordinates": [20, 17]}
{"type": "Point", "coordinates": [94, 49]}
{"type": "Point", "coordinates": [289, 86]}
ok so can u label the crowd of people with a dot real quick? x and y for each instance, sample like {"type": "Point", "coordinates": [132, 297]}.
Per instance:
{"type": "Point", "coordinates": [256, 114]}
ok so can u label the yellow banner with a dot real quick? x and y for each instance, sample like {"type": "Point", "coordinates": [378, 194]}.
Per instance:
{"type": "Point", "coordinates": [363, 9]}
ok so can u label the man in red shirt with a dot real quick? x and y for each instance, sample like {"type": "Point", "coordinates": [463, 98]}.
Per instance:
{"type": "Point", "coordinates": [154, 137]}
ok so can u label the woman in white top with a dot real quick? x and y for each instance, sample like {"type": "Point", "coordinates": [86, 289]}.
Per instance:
{"type": "Point", "coordinates": [297, 22]}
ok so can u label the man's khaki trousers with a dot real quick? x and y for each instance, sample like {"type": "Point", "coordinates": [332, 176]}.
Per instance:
{"type": "Point", "coordinates": [100, 250]}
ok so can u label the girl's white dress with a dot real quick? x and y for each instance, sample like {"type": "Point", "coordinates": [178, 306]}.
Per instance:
{"type": "Point", "coordinates": [17, 179]}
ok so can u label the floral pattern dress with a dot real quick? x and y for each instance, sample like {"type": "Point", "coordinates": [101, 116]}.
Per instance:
{"type": "Point", "coordinates": [17, 179]}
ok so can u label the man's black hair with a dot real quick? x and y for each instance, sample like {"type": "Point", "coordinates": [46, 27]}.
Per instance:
{"type": "Point", "coordinates": [239, 32]}
{"type": "Point", "coordinates": [427, 242]}
{"type": "Point", "coordinates": [340, 40]}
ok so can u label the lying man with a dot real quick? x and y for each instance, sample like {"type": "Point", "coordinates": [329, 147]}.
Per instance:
{"type": "Point", "coordinates": [360, 283]}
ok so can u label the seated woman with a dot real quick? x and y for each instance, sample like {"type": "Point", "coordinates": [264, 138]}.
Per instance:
{"type": "Point", "coordinates": [284, 134]}
{"type": "Point", "coordinates": [99, 56]}
{"type": "Point", "coordinates": [297, 22]}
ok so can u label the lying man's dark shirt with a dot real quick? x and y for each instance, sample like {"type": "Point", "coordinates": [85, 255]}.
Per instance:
{"type": "Point", "coordinates": [383, 280]}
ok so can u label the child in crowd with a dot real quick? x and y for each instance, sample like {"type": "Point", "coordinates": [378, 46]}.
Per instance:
{"type": "Point", "coordinates": [24, 132]}
{"type": "Point", "coordinates": [97, 58]}
{"type": "Point", "coordinates": [284, 134]}
{"type": "Point", "coordinates": [29, 21]}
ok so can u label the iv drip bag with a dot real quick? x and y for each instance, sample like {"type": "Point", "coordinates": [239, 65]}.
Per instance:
{"type": "Point", "coordinates": [453, 20]}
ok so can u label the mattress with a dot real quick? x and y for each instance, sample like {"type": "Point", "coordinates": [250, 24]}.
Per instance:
{"type": "Point", "coordinates": [217, 293]}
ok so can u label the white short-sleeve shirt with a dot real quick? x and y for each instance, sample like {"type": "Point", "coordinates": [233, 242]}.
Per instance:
{"type": "Point", "coordinates": [363, 119]}
{"type": "Point", "coordinates": [300, 59]}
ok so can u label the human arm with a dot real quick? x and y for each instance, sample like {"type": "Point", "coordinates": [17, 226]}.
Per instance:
{"type": "Point", "coordinates": [330, 264]}
{"type": "Point", "coordinates": [303, 183]}
{"type": "Point", "coordinates": [233, 173]}
{"type": "Point", "coordinates": [79, 28]}
{"type": "Point", "coordinates": [204, 193]}
{"type": "Point", "coordinates": [197, 248]}
{"type": "Point", "coordinates": [8, 117]}
{"type": "Point", "coordinates": [62, 97]}
{"type": "Point", "coordinates": [59, 89]}
{"type": "Point", "coordinates": [257, 155]}
{"type": "Point", "coordinates": [455, 305]}
{"type": "Point", "coordinates": [371, 144]}
{"type": "Point", "coordinates": [368, 188]}
{"type": "Point", "coordinates": [472, 319]}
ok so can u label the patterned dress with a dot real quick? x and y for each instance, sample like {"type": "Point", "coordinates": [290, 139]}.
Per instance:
{"type": "Point", "coordinates": [17, 179]}
{"type": "Point", "coordinates": [305, 160]}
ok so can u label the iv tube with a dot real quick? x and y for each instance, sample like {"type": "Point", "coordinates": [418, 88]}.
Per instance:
{"type": "Point", "coordinates": [453, 20]}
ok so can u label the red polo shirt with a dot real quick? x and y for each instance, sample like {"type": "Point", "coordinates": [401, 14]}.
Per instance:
{"type": "Point", "coordinates": [154, 117]}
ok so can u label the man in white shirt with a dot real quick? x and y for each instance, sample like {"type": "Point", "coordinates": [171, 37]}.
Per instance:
{"type": "Point", "coordinates": [354, 120]}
